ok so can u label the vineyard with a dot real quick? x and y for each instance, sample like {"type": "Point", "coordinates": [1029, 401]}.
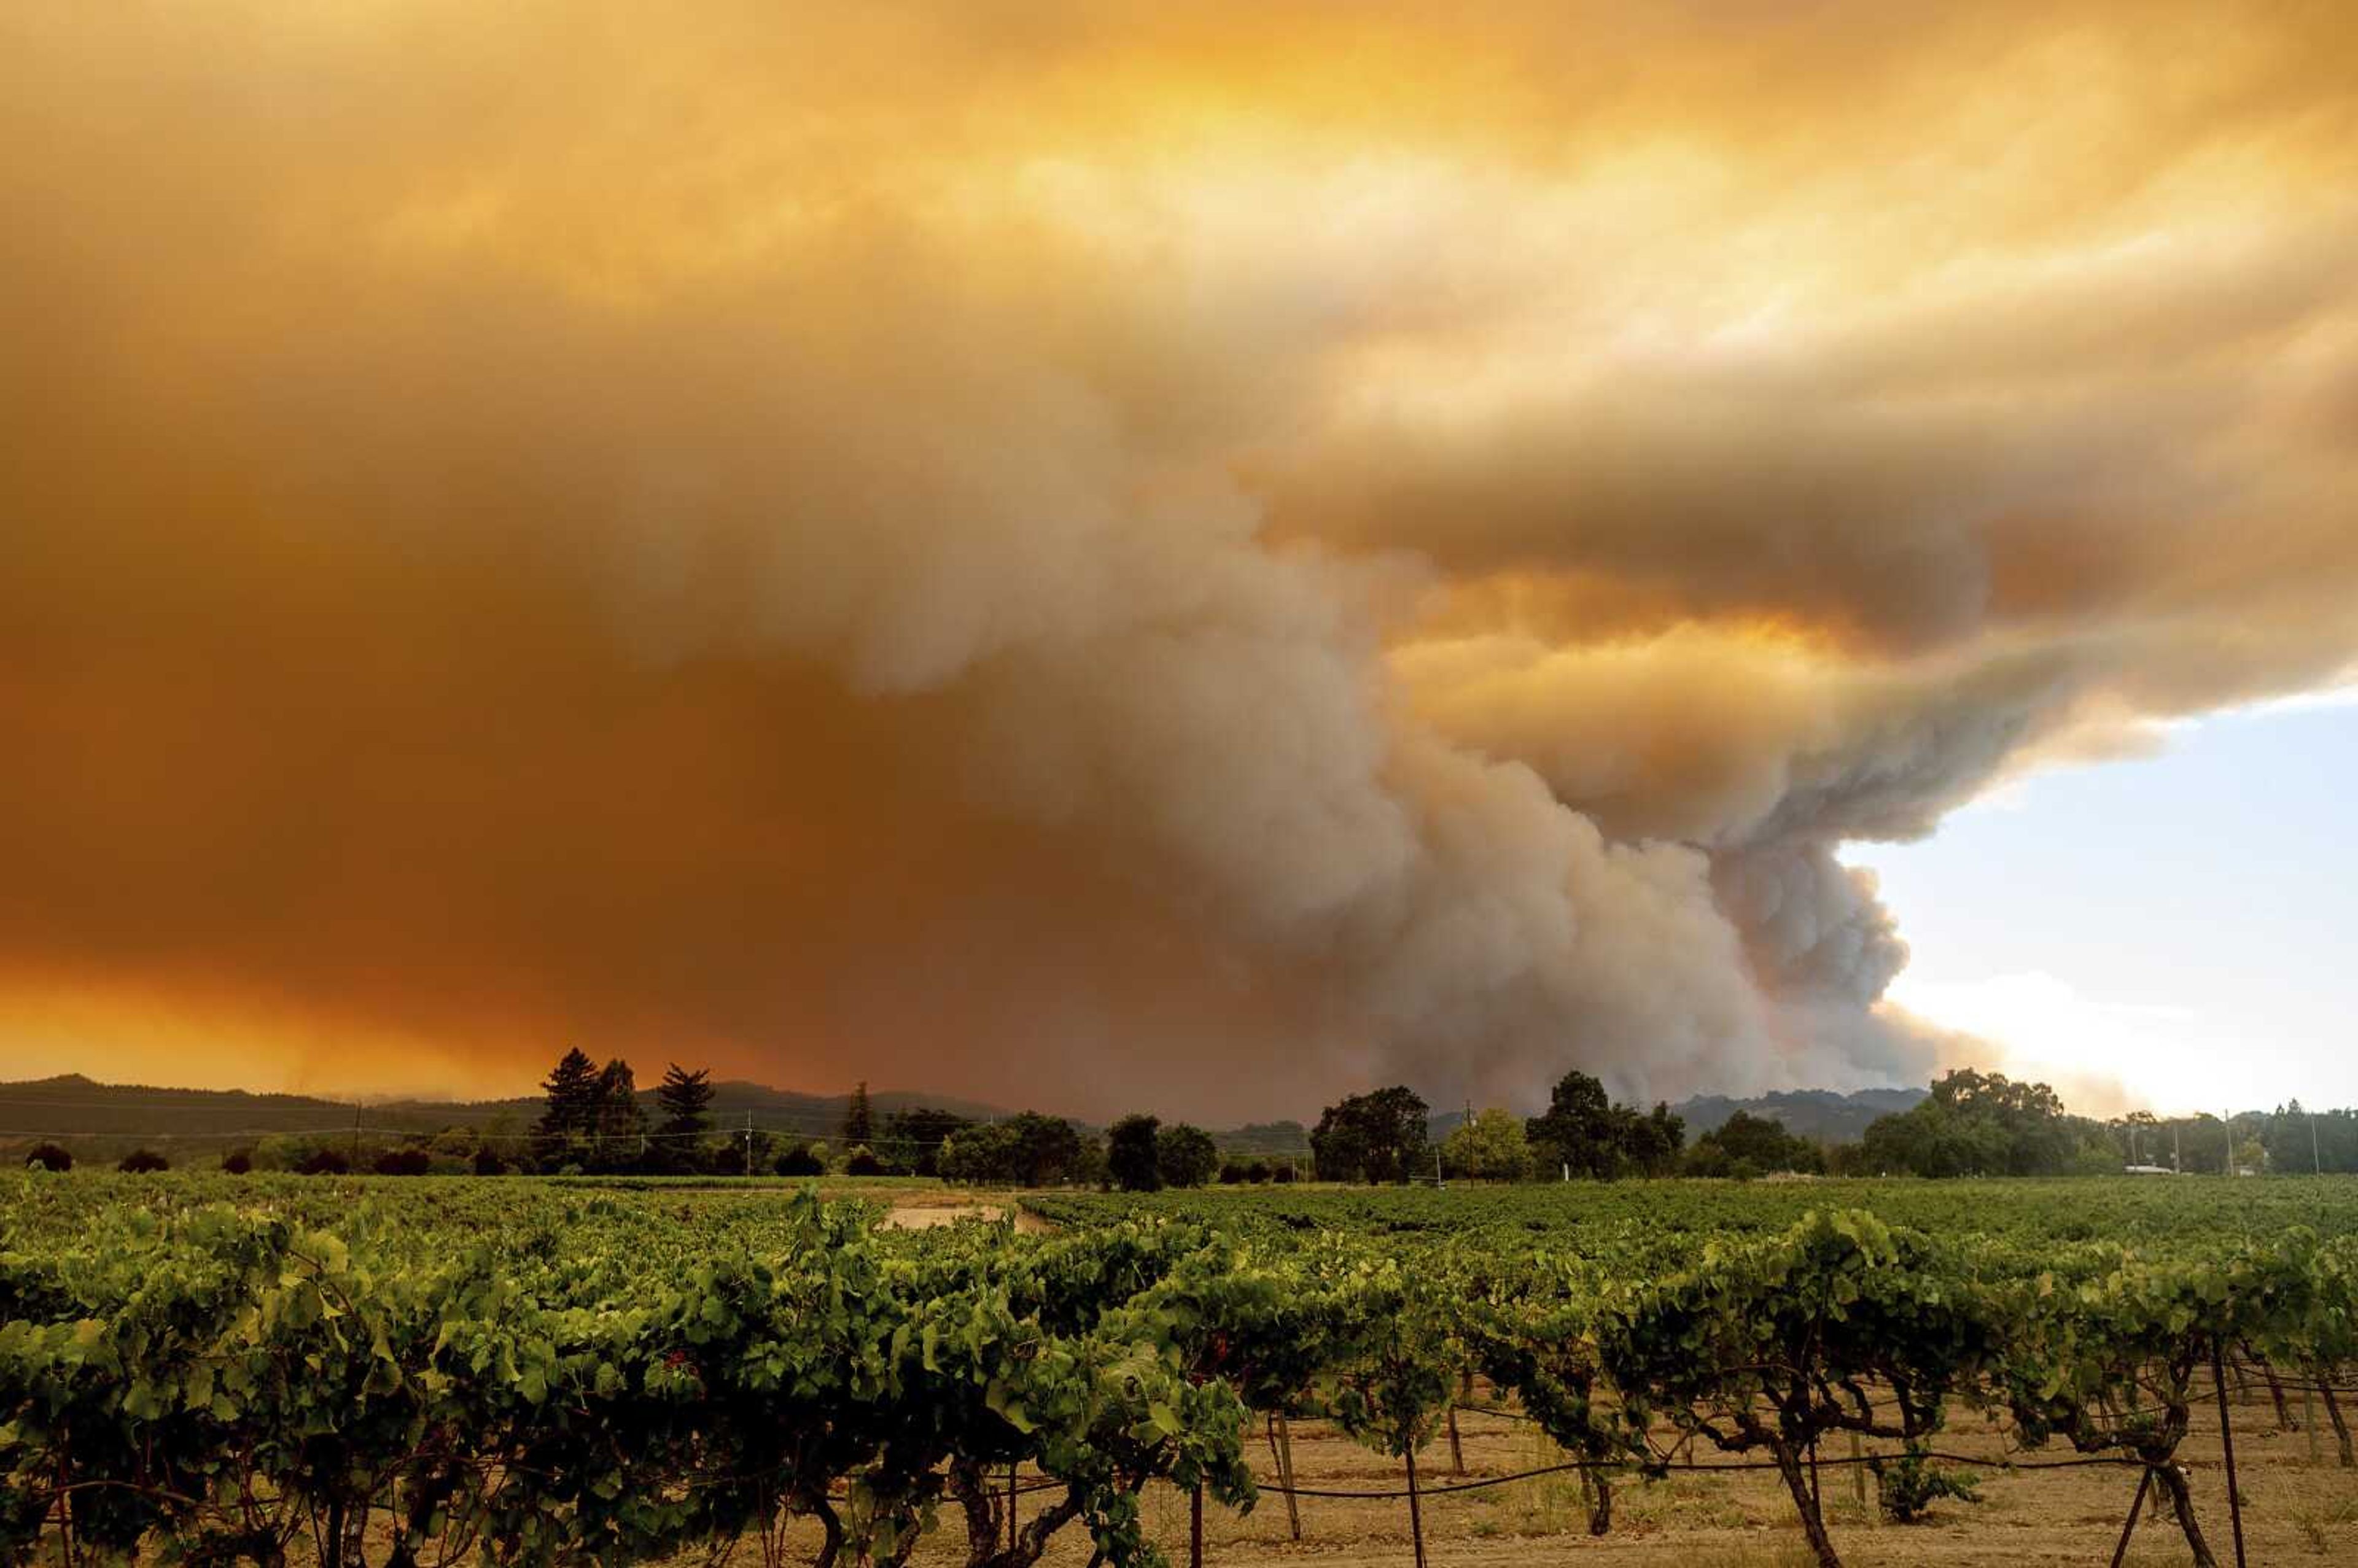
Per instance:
{"type": "Point", "coordinates": [408, 1373]}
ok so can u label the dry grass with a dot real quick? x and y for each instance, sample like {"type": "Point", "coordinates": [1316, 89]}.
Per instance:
{"type": "Point", "coordinates": [2294, 1511]}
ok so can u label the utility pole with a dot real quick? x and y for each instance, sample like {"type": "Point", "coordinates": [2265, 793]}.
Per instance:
{"type": "Point", "coordinates": [356, 1136]}
{"type": "Point", "coordinates": [749, 1143]}
{"type": "Point", "coordinates": [2316, 1160]}
{"type": "Point", "coordinates": [2176, 1153]}
{"type": "Point", "coordinates": [1437, 1181]}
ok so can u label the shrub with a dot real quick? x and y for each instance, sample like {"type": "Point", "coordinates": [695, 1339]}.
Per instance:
{"type": "Point", "coordinates": [237, 1161]}
{"type": "Point", "coordinates": [405, 1161]}
{"type": "Point", "coordinates": [800, 1160]}
{"type": "Point", "coordinates": [325, 1163]}
{"type": "Point", "coordinates": [143, 1160]}
{"type": "Point", "coordinates": [280, 1152]}
{"type": "Point", "coordinates": [49, 1157]}
{"type": "Point", "coordinates": [1283, 1173]}
{"type": "Point", "coordinates": [1908, 1486]}
{"type": "Point", "coordinates": [862, 1163]}
{"type": "Point", "coordinates": [1232, 1172]}
{"type": "Point", "coordinates": [488, 1163]}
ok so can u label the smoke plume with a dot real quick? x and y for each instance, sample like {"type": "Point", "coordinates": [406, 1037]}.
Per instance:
{"type": "Point", "coordinates": [1169, 556]}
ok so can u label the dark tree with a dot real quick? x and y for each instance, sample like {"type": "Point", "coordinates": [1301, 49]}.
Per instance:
{"type": "Point", "coordinates": [1578, 1128]}
{"type": "Point", "coordinates": [685, 1100]}
{"type": "Point", "coordinates": [1030, 1149]}
{"type": "Point", "coordinates": [408, 1161]}
{"type": "Point", "coordinates": [324, 1162]}
{"type": "Point", "coordinates": [1187, 1155]}
{"type": "Point", "coordinates": [1652, 1142]}
{"type": "Point", "coordinates": [144, 1160]}
{"type": "Point", "coordinates": [912, 1139]}
{"type": "Point", "coordinates": [488, 1163]}
{"type": "Point", "coordinates": [1378, 1137]}
{"type": "Point", "coordinates": [50, 1157]}
{"type": "Point", "coordinates": [238, 1161]}
{"type": "Point", "coordinates": [1986, 1124]}
{"type": "Point", "coordinates": [799, 1160]}
{"type": "Point", "coordinates": [1132, 1159]}
{"type": "Point", "coordinates": [1050, 1148]}
{"type": "Point", "coordinates": [2301, 1142]}
{"type": "Point", "coordinates": [572, 1109]}
{"type": "Point", "coordinates": [619, 1124]}
{"type": "Point", "coordinates": [858, 1118]}
{"type": "Point", "coordinates": [1749, 1145]}
{"type": "Point", "coordinates": [985, 1152]}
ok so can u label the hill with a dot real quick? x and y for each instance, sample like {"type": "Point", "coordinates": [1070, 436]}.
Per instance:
{"type": "Point", "coordinates": [72, 1106]}
{"type": "Point", "coordinates": [1819, 1114]}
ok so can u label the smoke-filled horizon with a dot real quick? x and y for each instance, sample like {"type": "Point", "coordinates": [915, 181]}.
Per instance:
{"type": "Point", "coordinates": [1138, 556]}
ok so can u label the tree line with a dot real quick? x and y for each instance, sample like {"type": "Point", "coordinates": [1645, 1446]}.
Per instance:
{"type": "Point", "coordinates": [594, 1121]}
{"type": "Point", "coordinates": [1383, 1136]}
{"type": "Point", "coordinates": [1970, 1124]}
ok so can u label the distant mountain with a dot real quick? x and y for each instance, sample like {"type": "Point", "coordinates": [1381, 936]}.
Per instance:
{"type": "Point", "coordinates": [74, 1105]}
{"type": "Point", "coordinates": [1290, 1138]}
{"type": "Point", "coordinates": [1819, 1114]}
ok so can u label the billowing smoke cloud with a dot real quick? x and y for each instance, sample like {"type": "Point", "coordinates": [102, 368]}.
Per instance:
{"type": "Point", "coordinates": [1112, 560]}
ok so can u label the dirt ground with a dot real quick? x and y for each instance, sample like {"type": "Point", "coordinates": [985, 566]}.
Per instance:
{"type": "Point", "coordinates": [2296, 1509]}
{"type": "Point", "coordinates": [923, 1210]}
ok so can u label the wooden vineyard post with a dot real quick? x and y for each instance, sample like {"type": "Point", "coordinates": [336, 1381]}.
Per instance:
{"type": "Point", "coordinates": [1858, 1474]}
{"type": "Point", "coordinates": [1285, 1473]}
{"type": "Point", "coordinates": [1415, 1515]}
{"type": "Point", "coordinates": [1011, 1505]}
{"type": "Point", "coordinates": [2309, 1421]}
{"type": "Point", "coordinates": [2227, 1445]}
{"type": "Point", "coordinates": [2145, 1484]}
{"type": "Point", "coordinates": [1456, 1450]}
{"type": "Point", "coordinates": [1196, 1526]}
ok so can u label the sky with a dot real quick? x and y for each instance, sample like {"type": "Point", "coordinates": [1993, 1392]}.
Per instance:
{"type": "Point", "coordinates": [1198, 557]}
{"type": "Point", "coordinates": [2072, 918]}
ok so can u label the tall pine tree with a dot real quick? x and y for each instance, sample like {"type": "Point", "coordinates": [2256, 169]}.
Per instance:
{"type": "Point", "coordinates": [685, 1100]}
{"type": "Point", "coordinates": [572, 1090]}
{"type": "Point", "coordinates": [858, 1121]}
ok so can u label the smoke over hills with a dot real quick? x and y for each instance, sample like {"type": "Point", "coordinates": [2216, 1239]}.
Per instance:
{"type": "Point", "coordinates": [1194, 554]}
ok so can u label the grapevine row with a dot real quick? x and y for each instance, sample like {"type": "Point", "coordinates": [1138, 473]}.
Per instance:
{"type": "Point", "coordinates": [237, 1383]}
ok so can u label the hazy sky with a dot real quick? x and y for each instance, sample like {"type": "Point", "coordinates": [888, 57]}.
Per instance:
{"type": "Point", "coordinates": [1192, 555]}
